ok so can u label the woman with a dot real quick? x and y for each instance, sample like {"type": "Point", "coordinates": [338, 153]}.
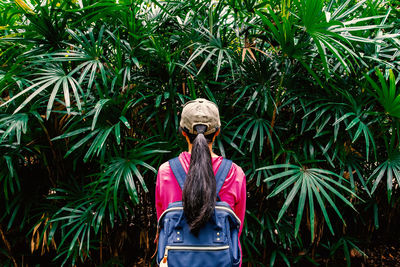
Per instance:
{"type": "Point", "coordinates": [200, 124]}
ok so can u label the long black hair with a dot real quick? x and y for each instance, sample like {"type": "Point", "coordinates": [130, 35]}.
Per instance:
{"type": "Point", "coordinates": [199, 194]}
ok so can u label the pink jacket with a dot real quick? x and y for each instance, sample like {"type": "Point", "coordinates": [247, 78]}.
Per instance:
{"type": "Point", "coordinates": [233, 191]}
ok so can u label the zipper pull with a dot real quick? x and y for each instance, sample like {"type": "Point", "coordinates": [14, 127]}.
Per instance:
{"type": "Point", "coordinates": [164, 261]}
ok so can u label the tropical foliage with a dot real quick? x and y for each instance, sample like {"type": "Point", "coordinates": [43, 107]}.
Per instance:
{"type": "Point", "coordinates": [90, 98]}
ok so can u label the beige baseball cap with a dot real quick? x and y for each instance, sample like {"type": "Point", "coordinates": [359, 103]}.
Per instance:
{"type": "Point", "coordinates": [200, 111]}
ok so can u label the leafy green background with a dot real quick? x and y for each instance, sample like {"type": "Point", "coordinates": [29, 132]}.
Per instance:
{"type": "Point", "coordinates": [90, 98]}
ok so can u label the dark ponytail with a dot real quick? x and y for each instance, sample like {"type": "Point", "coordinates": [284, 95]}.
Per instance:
{"type": "Point", "coordinates": [199, 194]}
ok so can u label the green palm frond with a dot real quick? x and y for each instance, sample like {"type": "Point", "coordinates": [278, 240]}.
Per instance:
{"type": "Point", "coordinates": [98, 135]}
{"type": "Point", "coordinates": [389, 168]}
{"type": "Point", "coordinates": [97, 145]}
{"type": "Point", "coordinates": [347, 244]}
{"type": "Point", "coordinates": [120, 170]}
{"type": "Point", "coordinates": [281, 30]}
{"type": "Point", "coordinates": [82, 213]}
{"type": "Point", "coordinates": [9, 177]}
{"type": "Point", "coordinates": [51, 79]}
{"type": "Point", "coordinates": [330, 34]}
{"type": "Point", "coordinates": [14, 125]}
{"type": "Point", "coordinates": [88, 49]}
{"type": "Point", "coordinates": [257, 127]}
{"type": "Point", "coordinates": [388, 96]}
{"type": "Point", "coordinates": [215, 51]}
{"type": "Point", "coordinates": [311, 183]}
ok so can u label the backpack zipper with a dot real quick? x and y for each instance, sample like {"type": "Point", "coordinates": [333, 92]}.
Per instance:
{"type": "Point", "coordinates": [216, 207]}
{"type": "Point", "coordinates": [164, 261]}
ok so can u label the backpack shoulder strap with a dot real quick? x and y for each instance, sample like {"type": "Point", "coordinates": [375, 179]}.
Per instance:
{"type": "Point", "coordinates": [220, 177]}
{"type": "Point", "coordinates": [222, 172]}
{"type": "Point", "coordinates": [178, 171]}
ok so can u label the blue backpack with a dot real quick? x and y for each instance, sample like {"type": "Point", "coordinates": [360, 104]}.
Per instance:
{"type": "Point", "coordinates": [217, 243]}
